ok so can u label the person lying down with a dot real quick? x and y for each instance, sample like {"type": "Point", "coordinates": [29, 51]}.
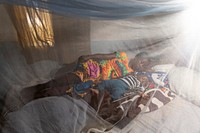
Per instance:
{"type": "Point", "coordinates": [117, 88]}
{"type": "Point", "coordinates": [110, 93]}
{"type": "Point", "coordinates": [121, 87]}
{"type": "Point", "coordinates": [115, 97]}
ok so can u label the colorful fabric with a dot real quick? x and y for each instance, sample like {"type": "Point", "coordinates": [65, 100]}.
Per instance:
{"type": "Point", "coordinates": [122, 56]}
{"type": "Point", "coordinates": [83, 87]}
{"type": "Point", "coordinates": [92, 68]}
{"type": "Point", "coordinates": [104, 69]}
{"type": "Point", "coordinates": [115, 68]}
{"type": "Point", "coordinates": [88, 70]}
{"type": "Point", "coordinates": [155, 79]}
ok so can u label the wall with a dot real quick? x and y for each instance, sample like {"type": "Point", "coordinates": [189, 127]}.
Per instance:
{"type": "Point", "coordinates": [158, 34]}
{"type": "Point", "coordinates": [7, 30]}
{"type": "Point", "coordinates": [72, 39]}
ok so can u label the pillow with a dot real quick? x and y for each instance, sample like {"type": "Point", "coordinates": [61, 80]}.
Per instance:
{"type": "Point", "coordinates": [163, 68]}
{"type": "Point", "coordinates": [186, 83]}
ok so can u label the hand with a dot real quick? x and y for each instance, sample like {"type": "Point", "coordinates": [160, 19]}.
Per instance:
{"type": "Point", "coordinates": [143, 95]}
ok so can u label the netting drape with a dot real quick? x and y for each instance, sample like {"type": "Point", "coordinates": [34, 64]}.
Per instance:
{"type": "Point", "coordinates": [52, 50]}
{"type": "Point", "coordinates": [107, 9]}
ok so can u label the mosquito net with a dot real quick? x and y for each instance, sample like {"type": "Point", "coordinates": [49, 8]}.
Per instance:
{"type": "Point", "coordinates": [103, 66]}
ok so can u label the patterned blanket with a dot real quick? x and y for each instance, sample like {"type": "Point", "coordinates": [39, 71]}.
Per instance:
{"type": "Point", "coordinates": [157, 94]}
{"type": "Point", "coordinates": [132, 105]}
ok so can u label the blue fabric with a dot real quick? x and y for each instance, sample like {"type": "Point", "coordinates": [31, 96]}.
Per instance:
{"type": "Point", "coordinates": [115, 87]}
{"type": "Point", "coordinates": [83, 87]}
{"type": "Point", "coordinates": [106, 9]}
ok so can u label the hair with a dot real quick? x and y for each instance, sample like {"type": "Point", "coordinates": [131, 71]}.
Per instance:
{"type": "Point", "coordinates": [140, 56]}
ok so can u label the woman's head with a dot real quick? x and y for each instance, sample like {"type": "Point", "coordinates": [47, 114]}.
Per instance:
{"type": "Point", "coordinates": [141, 62]}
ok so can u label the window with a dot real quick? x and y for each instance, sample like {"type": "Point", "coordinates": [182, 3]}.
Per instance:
{"type": "Point", "coordinates": [34, 27]}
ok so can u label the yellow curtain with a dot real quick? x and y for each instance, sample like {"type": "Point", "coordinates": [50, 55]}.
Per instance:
{"type": "Point", "coordinates": [34, 27]}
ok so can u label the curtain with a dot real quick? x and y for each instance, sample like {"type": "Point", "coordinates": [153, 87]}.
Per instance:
{"type": "Point", "coordinates": [34, 27]}
{"type": "Point", "coordinates": [168, 38]}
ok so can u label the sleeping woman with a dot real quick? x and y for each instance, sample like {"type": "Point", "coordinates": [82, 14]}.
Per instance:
{"type": "Point", "coordinates": [120, 87]}
{"type": "Point", "coordinates": [109, 94]}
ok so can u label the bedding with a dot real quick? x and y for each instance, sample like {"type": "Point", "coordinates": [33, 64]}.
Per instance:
{"type": "Point", "coordinates": [157, 93]}
{"type": "Point", "coordinates": [178, 116]}
{"type": "Point", "coordinates": [91, 112]}
{"type": "Point", "coordinates": [127, 108]}
{"type": "Point", "coordinates": [89, 71]}
{"type": "Point", "coordinates": [51, 115]}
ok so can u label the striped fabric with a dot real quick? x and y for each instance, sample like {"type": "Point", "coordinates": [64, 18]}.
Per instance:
{"type": "Point", "coordinates": [131, 81]}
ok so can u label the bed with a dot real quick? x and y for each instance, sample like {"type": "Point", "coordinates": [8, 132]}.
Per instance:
{"type": "Point", "coordinates": [49, 108]}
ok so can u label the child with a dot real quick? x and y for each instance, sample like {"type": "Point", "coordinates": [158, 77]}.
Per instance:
{"type": "Point", "coordinates": [118, 88]}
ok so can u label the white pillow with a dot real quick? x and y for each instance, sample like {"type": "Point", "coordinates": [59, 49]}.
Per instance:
{"type": "Point", "coordinates": [186, 83]}
{"type": "Point", "coordinates": [163, 68]}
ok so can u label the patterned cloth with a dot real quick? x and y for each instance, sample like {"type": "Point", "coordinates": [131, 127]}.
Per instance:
{"type": "Point", "coordinates": [156, 95]}
{"type": "Point", "coordinates": [115, 68]}
{"type": "Point", "coordinates": [92, 68]}
{"type": "Point", "coordinates": [131, 81]}
{"type": "Point", "coordinates": [132, 105]}
{"type": "Point", "coordinates": [155, 79]}
{"type": "Point", "coordinates": [104, 69]}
